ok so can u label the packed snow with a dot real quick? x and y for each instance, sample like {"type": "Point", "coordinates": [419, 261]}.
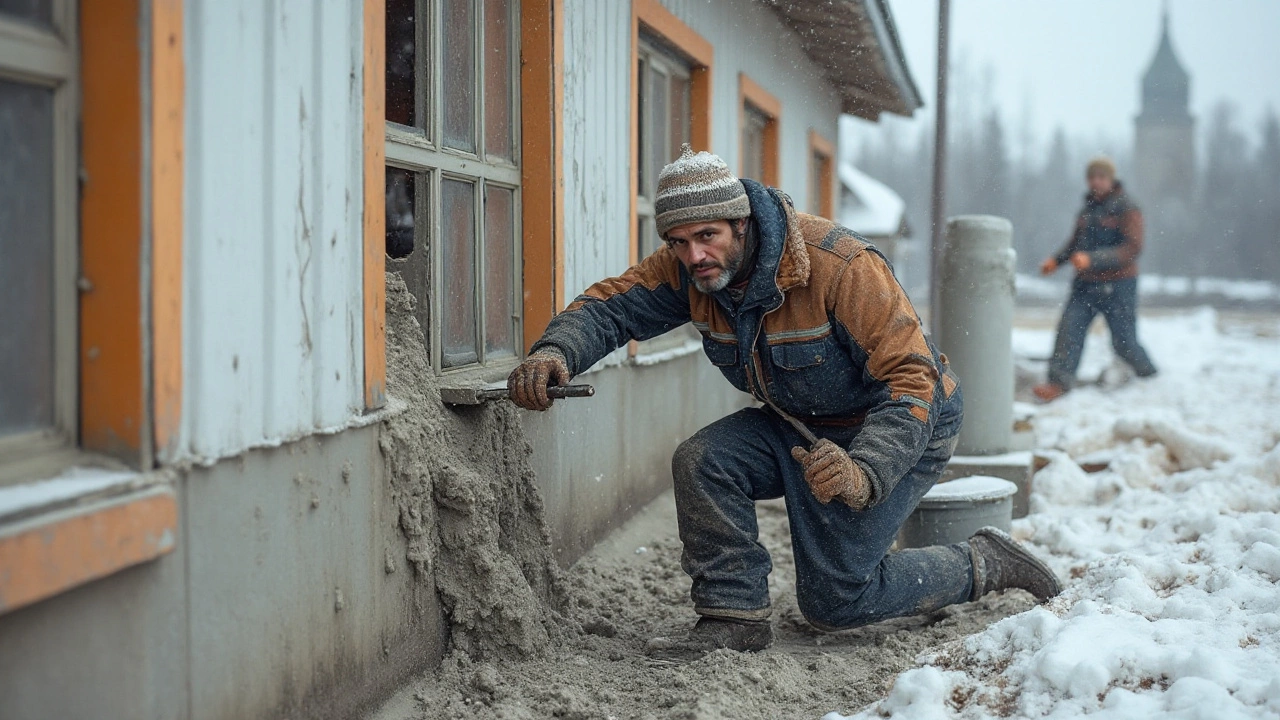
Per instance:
{"type": "Point", "coordinates": [1171, 552]}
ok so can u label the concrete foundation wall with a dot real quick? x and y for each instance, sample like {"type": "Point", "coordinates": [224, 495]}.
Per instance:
{"type": "Point", "coordinates": [600, 459]}
{"type": "Point", "coordinates": [277, 603]}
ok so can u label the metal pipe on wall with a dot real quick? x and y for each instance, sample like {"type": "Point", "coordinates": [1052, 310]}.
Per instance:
{"type": "Point", "coordinates": [938, 209]}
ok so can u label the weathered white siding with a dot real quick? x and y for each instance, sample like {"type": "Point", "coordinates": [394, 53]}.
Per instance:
{"type": "Point", "coordinates": [747, 37]}
{"type": "Point", "coordinates": [272, 306]}
{"type": "Point", "coordinates": [597, 141]}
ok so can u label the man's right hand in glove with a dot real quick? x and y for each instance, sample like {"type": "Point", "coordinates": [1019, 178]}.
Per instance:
{"type": "Point", "coordinates": [528, 383]}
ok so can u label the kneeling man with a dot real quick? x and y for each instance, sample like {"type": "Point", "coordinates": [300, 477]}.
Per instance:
{"type": "Point", "coordinates": [808, 318]}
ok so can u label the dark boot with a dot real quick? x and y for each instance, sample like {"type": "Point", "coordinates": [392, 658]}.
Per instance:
{"type": "Point", "coordinates": [1000, 563]}
{"type": "Point", "coordinates": [710, 634]}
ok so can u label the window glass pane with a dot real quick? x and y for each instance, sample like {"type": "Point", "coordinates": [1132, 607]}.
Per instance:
{"type": "Point", "coordinates": [458, 253]}
{"type": "Point", "coordinates": [657, 122]}
{"type": "Point", "coordinates": [753, 144]}
{"type": "Point", "coordinates": [499, 275]}
{"type": "Point", "coordinates": [459, 74]}
{"type": "Point", "coordinates": [402, 58]}
{"type": "Point", "coordinates": [26, 258]}
{"type": "Point", "coordinates": [40, 11]}
{"type": "Point", "coordinates": [816, 162]}
{"type": "Point", "coordinates": [680, 121]}
{"type": "Point", "coordinates": [649, 240]}
{"type": "Point", "coordinates": [643, 131]}
{"type": "Point", "coordinates": [497, 78]}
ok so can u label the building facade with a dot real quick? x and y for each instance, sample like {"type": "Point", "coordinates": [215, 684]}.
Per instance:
{"type": "Point", "coordinates": [195, 518]}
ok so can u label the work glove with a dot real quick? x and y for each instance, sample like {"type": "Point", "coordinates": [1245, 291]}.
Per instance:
{"type": "Point", "coordinates": [1081, 261]}
{"type": "Point", "coordinates": [831, 474]}
{"type": "Point", "coordinates": [1049, 266]}
{"type": "Point", "coordinates": [528, 383]}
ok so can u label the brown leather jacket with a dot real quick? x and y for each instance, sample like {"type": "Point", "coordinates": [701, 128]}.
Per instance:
{"type": "Point", "coordinates": [1109, 229]}
{"type": "Point", "coordinates": [824, 331]}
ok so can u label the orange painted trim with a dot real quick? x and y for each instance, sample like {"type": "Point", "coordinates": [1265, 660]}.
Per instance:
{"type": "Point", "coordinates": [111, 364]}
{"type": "Point", "coordinates": [749, 91]}
{"type": "Point", "coordinates": [375, 205]}
{"type": "Point", "coordinates": [167, 115]}
{"type": "Point", "coordinates": [42, 559]}
{"type": "Point", "coordinates": [659, 21]}
{"type": "Point", "coordinates": [557, 164]}
{"type": "Point", "coordinates": [542, 178]}
{"type": "Point", "coordinates": [819, 145]}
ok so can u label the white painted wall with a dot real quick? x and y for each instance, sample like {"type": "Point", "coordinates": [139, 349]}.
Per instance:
{"type": "Point", "coordinates": [273, 199]}
{"type": "Point", "coordinates": [747, 37]}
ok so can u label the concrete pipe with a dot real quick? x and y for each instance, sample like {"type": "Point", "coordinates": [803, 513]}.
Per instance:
{"type": "Point", "coordinates": [975, 327]}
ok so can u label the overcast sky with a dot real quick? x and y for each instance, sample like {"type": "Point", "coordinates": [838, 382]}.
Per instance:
{"type": "Point", "coordinates": [1078, 63]}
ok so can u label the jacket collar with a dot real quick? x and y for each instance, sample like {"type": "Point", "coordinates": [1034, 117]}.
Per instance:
{"type": "Point", "coordinates": [1116, 191]}
{"type": "Point", "coordinates": [782, 262]}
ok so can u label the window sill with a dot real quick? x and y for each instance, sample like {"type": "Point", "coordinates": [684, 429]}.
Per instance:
{"type": "Point", "coordinates": [80, 526]}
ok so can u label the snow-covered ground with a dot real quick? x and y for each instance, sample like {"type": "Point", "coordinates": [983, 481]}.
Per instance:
{"type": "Point", "coordinates": [1172, 553]}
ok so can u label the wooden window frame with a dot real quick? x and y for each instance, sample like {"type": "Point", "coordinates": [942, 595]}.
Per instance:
{"type": "Point", "coordinates": [751, 93]}
{"type": "Point", "coordinates": [824, 151]}
{"type": "Point", "coordinates": [423, 152]}
{"type": "Point", "coordinates": [666, 63]}
{"type": "Point", "coordinates": [48, 58]}
{"type": "Point", "coordinates": [657, 22]}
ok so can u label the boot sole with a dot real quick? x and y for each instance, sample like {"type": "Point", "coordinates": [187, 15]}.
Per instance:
{"type": "Point", "coordinates": [1007, 543]}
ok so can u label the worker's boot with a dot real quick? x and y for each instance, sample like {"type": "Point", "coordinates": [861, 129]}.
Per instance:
{"type": "Point", "coordinates": [1048, 392]}
{"type": "Point", "coordinates": [1000, 563]}
{"type": "Point", "coordinates": [710, 634]}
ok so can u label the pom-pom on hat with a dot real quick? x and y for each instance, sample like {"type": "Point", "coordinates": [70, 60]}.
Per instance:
{"type": "Point", "coordinates": [698, 187]}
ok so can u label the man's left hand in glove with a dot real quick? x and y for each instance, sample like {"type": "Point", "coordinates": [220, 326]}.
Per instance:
{"type": "Point", "coordinates": [831, 474]}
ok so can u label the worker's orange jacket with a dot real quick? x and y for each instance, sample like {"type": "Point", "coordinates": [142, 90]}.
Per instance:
{"type": "Point", "coordinates": [824, 332]}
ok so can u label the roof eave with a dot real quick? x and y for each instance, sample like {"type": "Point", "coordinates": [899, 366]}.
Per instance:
{"type": "Point", "coordinates": [856, 45]}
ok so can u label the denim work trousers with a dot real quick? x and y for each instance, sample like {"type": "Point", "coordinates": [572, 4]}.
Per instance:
{"type": "Point", "coordinates": [845, 575]}
{"type": "Point", "coordinates": [1118, 303]}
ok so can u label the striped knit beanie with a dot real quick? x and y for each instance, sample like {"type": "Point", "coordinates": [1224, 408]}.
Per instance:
{"type": "Point", "coordinates": [696, 188]}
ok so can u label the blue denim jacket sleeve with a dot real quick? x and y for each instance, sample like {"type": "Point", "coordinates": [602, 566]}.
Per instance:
{"type": "Point", "coordinates": [879, 325]}
{"type": "Point", "coordinates": [647, 300]}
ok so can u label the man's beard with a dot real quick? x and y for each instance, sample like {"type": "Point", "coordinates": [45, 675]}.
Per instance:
{"type": "Point", "coordinates": [732, 264]}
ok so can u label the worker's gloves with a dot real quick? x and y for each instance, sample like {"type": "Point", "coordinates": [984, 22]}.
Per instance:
{"type": "Point", "coordinates": [1081, 261]}
{"type": "Point", "coordinates": [528, 383]}
{"type": "Point", "coordinates": [1049, 266]}
{"type": "Point", "coordinates": [831, 474]}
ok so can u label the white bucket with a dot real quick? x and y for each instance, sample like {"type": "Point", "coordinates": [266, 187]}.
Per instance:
{"type": "Point", "coordinates": [952, 511]}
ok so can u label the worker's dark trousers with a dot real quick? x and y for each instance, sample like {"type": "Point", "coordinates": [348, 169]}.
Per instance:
{"type": "Point", "coordinates": [1118, 303]}
{"type": "Point", "coordinates": [845, 575]}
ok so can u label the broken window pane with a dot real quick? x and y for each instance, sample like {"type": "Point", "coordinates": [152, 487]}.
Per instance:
{"type": "Point", "coordinates": [497, 78]}
{"type": "Point", "coordinates": [402, 58]}
{"type": "Point", "coordinates": [499, 259]}
{"type": "Point", "coordinates": [26, 258]}
{"type": "Point", "coordinates": [460, 74]}
{"type": "Point", "coordinates": [458, 272]}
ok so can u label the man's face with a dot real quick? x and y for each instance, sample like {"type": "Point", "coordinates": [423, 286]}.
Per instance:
{"type": "Point", "coordinates": [1100, 183]}
{"type": "Point", "coordinates": [711, 251]}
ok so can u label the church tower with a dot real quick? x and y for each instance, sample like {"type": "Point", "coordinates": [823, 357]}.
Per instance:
{"type": "Point", "coordinates": [1164, 132]}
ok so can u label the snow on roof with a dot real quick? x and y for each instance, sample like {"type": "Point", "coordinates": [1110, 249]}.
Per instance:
{"type": "Point", "coordinates": [869, 207]}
